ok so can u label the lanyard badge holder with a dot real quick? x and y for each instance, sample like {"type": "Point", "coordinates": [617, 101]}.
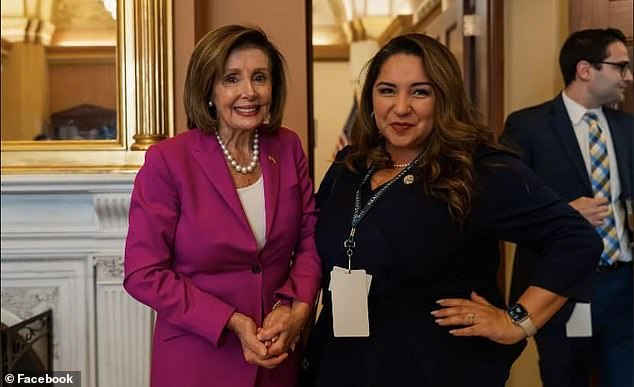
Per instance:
{"type": "Point", "coordinates": [350, 288]}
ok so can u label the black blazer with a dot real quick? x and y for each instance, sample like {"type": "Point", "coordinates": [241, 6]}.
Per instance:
{"type": "Point", "coordinates": [417, 255]}
{"type": "Point", "coordinates": [545, 139]}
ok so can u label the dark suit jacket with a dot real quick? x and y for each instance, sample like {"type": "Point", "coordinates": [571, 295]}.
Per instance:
{"type": "Point", "coordinates": [546, 141]}
{"type": "Point", "coordinates": [417, 254]}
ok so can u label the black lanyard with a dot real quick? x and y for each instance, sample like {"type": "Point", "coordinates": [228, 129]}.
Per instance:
{"type": "Point", "coordinates": [359, 213]}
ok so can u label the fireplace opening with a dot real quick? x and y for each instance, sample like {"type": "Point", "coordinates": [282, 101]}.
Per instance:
{"type": "Point", "coordinates": [28, 345]}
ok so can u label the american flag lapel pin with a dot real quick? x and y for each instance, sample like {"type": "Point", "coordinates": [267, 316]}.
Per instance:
{"type": "Point", "coordinates": [273, 159]}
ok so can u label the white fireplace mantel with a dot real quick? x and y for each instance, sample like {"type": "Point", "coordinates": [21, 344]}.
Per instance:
{"type": "Point", "coordinates": [62, 239]}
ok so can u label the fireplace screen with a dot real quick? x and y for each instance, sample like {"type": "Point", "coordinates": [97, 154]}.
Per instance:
{"type": "Point", "coordinates": [27, 346]}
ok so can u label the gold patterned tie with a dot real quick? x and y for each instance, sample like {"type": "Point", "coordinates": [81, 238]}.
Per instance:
{"type": "Point", "coordinates": [600, 180]}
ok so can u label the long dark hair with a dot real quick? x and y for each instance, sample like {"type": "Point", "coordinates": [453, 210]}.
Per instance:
{"type": "Point", "coordinates": [446, 168]}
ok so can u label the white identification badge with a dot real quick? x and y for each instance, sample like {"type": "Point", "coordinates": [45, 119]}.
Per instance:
{"type": "Point", "coordinates": [580, 322]}
{"type": "Point", "coordinates": [350, 302]}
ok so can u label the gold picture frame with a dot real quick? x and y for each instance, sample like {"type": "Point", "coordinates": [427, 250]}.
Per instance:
{"type": "Point", "coordinates": [145, 113]}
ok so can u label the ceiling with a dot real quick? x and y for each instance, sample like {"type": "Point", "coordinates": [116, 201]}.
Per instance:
{"type": "Point", "coordinates": [81, 22]}
{"type": "Point", "coordinates": [59, 22]}
{"type": "Point", "coordinates": [81, 14]}
{"type": "Point", "coordinates": [337, 22]}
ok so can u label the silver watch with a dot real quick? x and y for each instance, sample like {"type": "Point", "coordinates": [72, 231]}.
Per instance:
{"type": "Point", "coordinates": [521, 318]}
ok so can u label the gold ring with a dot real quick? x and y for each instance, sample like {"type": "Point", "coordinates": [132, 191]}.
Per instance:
{"type": "Point", "coordinates": [471, 317]}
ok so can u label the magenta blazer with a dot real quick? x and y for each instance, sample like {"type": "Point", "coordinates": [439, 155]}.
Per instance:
{"type": "Point", "coordinates": [191, 256]}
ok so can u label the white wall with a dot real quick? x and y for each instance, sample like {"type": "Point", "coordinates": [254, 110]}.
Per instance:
{"type": "Point", "coordinates": [333, 96]}
{"type": "Point", "coordinates": [534, 31]}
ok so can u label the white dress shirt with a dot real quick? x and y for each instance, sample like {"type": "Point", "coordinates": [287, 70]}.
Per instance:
{"type": "Point", "coordinates": [576, 113]}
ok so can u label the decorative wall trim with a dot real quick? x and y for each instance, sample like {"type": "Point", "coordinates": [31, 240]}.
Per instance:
{"type": "Point", "coordinates": [154, 72]}
{"type": "Point", "coordinates": [426, 10]}
{"type": "Point", "coordinates": [71, 213]}
{"type": "Point", "coordinates": [27, 302]}
{"type": "Point", "coordinates": [109, 269]}
{"type": "Point", "coordinates": [112, 210]}
{"type": "Point", "coordinates": [81, 54]}
{"type": "Point", "coordinates": [33, 286]}
{"type": "Point", "coordinates": [62, 241]}
{"type": "Point", "coordinates": [124, 338]}
{"type": "Point", "coordinates": [400, 25]}
{"type": "Point", "coordinates": [66, 183]}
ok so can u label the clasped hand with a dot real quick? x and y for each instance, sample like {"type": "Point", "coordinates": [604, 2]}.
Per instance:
{"type": "Point", "coordinates": [269, 345]}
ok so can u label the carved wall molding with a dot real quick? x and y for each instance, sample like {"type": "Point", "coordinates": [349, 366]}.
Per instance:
{"type": "Point", "coordinates": [62, 240]}
{"type": "Point", "coordinates": [124, 339]}
{"type": "Point", "coordinates": [109, 269]}
{"type": "Point", "coordinates": [17, 29]}
{"type": "Point", "coordinates": [31, 286]}
{"type": "Point", "coordinates": [67, 183]}
{"type": "Point", "coordinates": [27, 302]}
{"type": "Point", "coordinates": [76, 214]}
{"type": "Point", "coordinates": [112, 210]}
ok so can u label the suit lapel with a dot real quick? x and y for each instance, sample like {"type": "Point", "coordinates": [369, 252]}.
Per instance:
{"type": "Point", "coordinates": [209, 156]}
{"type": "Point", "coordinates": [560, 123]}
{"type": "Point", "coordinates": [270, 165]}
{"type": "Point", "coordinates": [621, 142]}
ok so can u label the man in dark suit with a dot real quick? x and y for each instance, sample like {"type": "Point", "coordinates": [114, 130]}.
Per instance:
{"type": "Point", "coordinates": [585, 152]}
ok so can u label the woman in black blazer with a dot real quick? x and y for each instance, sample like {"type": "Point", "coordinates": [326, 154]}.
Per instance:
{"type": "Point", "coordinates": [441, 194]}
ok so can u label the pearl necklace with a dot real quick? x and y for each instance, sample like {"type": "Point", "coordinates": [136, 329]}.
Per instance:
{"type": "Point", "coordinates": [255, 151]}
{"type": "Point", "coordinates": [402, 165]}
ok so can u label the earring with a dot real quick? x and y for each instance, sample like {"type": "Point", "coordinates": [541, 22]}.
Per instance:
{"type": "Point", "coordinates": [210, 103]}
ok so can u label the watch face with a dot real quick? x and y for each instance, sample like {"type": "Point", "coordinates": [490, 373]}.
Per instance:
{"type": "Point", "coordinates": [517, 312]}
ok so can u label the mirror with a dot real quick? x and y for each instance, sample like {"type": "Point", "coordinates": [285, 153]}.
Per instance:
{"type": "Point", "coordinates": [81, 80]}
{"type": "Point", "coordinates": [60, 85]}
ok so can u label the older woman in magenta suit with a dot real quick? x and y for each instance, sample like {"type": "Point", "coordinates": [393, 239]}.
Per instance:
{"type": "Point", "coordinates": [220, 242]}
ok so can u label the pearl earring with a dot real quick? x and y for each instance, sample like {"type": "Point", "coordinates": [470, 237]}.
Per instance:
{"type": "Point", "coordinates": [210, 103]}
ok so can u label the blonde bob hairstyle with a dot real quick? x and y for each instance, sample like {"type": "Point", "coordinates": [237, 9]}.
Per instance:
{"type": "Point", "coordinates": [446, 169]}
{"type": "Point", "coordinates": [206, 66]}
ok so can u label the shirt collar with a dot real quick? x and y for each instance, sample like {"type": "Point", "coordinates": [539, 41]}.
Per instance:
{"type": "Point", "coordinates": [576, 111]}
